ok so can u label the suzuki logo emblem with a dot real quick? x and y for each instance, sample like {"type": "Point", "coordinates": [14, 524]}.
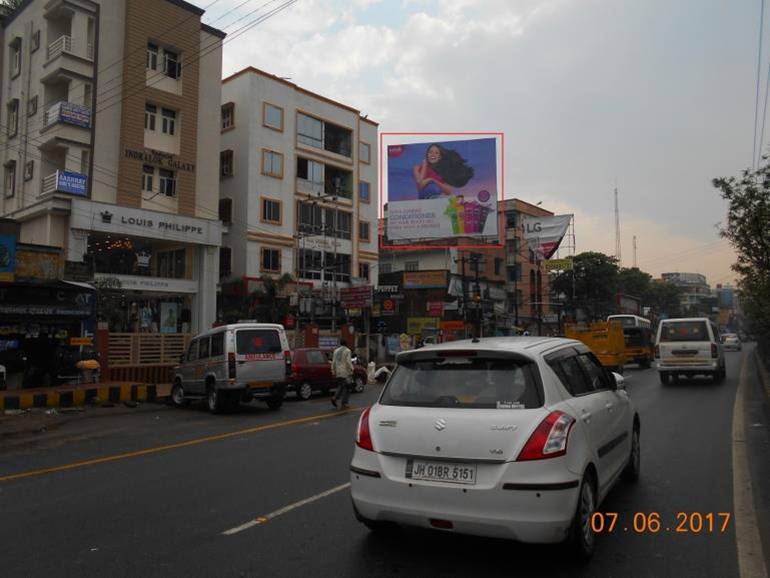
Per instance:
{"type": "Point", "coordinates": [440, 424]}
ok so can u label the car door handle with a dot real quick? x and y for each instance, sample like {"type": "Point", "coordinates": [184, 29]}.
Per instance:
{"type": "Point", "coordinates": [608, 405]}
{"type": "Point", "coordinates": [586, 416]}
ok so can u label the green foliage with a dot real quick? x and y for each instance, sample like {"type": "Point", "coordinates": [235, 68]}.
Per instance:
{"type": "Point", "coordinates": [595, 284]}
{"type": "Point", "coordinates": [10, 5]}
{"type": "Point", "coordinates": [748, 230]}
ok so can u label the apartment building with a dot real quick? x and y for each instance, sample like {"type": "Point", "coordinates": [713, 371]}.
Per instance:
{"type": "Point", "coordinates": [299, 186]}
{"type": "Point", "coordinates": [111, 117]}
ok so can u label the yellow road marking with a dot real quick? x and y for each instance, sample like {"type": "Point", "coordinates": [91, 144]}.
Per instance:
{"type": "Point", "coordinates": [163, 448]}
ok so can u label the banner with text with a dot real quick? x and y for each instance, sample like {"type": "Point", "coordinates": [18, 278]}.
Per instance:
{"type": "Point", "coordinates": [544, 234]}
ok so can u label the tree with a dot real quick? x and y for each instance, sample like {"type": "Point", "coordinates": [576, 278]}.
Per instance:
{"type": "Point", "coordinates": [748, 230]}
{"type": "Point", "coordinates": [635, 282]}
{"type": "Point", "coordinates": [663, 299]}
{"type": "Point", "coordinates": [10, 5]}
{"type": "Point", "coordinates": [595, 284]}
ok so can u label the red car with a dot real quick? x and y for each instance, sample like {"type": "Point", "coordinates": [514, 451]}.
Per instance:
{"type": "Point", "coordinates": [311, 371]}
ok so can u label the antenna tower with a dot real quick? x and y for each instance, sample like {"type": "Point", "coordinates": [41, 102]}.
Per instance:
{"type": "Point", "coordinates": [634, 250]}
{"type": "Point", "coordinates": [617, 228]}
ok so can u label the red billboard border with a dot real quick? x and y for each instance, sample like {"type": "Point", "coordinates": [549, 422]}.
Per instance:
{"type": "Point", "coordinates": [501, 194]}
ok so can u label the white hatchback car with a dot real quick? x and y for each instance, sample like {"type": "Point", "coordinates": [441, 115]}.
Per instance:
{"type": "Point", "coordinates": [515, 437]}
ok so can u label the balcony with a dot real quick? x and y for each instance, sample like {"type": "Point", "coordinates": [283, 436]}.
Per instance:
{"type": "Point", "coordinates": [309, 187]}
{"type": "Point", "coordinates": [65, 182]}
{"type": "Point", "coordinates": [68, 54]}
{"type": "Point", "coordinates": [67, 113]}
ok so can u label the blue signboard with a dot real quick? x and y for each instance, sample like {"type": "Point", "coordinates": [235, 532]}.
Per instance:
{"type": "Point", "coordinates": [76, 114]}
{"type": "Point", "coordinates": [7, 255]}
{"type": "Point", "coordinates": [73, 183]}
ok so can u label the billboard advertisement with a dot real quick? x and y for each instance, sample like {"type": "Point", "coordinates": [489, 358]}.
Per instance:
{"type": "Point", "coordinates": [544, 234]}
{"type": "Point", "coordinates": [442, 190]}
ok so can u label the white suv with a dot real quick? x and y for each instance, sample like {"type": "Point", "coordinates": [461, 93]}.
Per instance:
{"type": "Point", "coordinates": [689, 347]}
{"type": "Point", "coordinates": [517, 437]}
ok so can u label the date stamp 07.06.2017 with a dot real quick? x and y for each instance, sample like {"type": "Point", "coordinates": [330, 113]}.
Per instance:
{"type": "Point", "coordinates": [654, 523]}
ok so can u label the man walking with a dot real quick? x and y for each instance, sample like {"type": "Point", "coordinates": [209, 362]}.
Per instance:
{"type": "Point", "coordinates": [342, 370]}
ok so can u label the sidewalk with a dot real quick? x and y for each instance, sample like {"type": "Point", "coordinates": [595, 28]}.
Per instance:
{"type": "Point", "coordinates": [79, 395]}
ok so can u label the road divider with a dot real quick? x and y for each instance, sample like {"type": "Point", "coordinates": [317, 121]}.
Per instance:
{"type": "Point", "coordinates": [174, 446]}
{"type": "Point", "coordinates": [285, 510]}
{"type": "Point", "coordinates": [79, 395]}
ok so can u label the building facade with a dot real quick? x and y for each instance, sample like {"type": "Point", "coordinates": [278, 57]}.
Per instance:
{"type": "Point", "coordinates": [695, 290]}
{"type": "Point", "coordinates": [299, 187]}
{"type": "Point", "coordinates": [111, 116]}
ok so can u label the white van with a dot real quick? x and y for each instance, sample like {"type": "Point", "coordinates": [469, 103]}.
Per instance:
{"type": "Point", "coordinates": [234, 363]}
{"type": "Point", "coordinates": [689, 347]}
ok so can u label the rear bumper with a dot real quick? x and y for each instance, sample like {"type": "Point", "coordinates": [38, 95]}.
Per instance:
{"type": "Point", "coordinates": [527, 512]}
{"type": "Point", "coordinates": [275, 390]}
{"type": "Point", "coordinates": [691, 369]}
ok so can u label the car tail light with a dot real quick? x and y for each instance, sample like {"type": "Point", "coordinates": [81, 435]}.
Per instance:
{"type": "Point", "coordinates": [287, 360]}
{"type": "Point", "coordinates": [550, 438]}
{"type": "Point", "coordinates": [657, 352]}
{"type": "Point", "coordinates": [363, 435]}
{"type": "Point", "coordinates": [231, 365]}
{"type": "Point", "coordinates": [714, 350]}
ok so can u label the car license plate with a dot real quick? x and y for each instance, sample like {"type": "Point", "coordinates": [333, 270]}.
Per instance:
{"type": "Point", "coordinates": [441, 472]}
{"type": "Point", "coordinates": [260, 384]}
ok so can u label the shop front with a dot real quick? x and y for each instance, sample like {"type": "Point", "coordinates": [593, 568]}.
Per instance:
{"type": "Point", "coordinates": [156, 276]}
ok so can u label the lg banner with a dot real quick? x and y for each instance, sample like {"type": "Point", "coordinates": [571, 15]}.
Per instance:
{"type": "Point", "coordinates": [544, 234]}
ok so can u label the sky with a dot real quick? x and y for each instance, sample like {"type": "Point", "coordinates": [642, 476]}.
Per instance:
{"type": "Point", "coordinates": [655, 98]}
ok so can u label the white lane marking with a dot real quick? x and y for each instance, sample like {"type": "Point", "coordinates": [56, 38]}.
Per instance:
{"type": "Point", "coordinates": [266, 518]}
{"type": "Point", "coordinates": [751, 561]}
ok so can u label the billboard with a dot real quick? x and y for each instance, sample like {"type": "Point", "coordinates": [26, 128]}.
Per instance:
{"type": "Point", "coordinates": [544, 234]}
{"type": "Point", "coordinates": [7, 257]}
{"type": "Point", "coordinates": [442, 190]}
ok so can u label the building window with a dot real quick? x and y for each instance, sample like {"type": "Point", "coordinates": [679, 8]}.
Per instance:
{"type": "Point", "coordinates": [339, 264]}
{"type": "Point", "coordinates": [29, 170]}
{"type": "Point", "coordinates": [310, 217]}
{"type": "Point", "coordinates": [271, 211]}
{"type": "Point", "coordinates": [13, 117]}
{"type": "Point", "coordinates": [228, 116]}
{"type": "Point", "coordinates": [172, 67]}
{"type": "Point", "coordinates": [226, 210]}
{"type": "Point", "coordinates": [363, 231]}
{"type": "Point", "coordinates": [150, 114]}
{"type": "Point", "coordinates": [148, 173]}
{"type": "Point", "coordinates": [363, 271]}
{"type": "Point", "coordinates": [310, 131]}
{"type": "Point", "coordinates": [364, 153]}
{"type": "Point", "coordinates": [272, 116]}
{"type": "Point", "coordinates": [386, 268]}
{"type": "Point", "coordinates": [35, 41]}
{"type": "Point", "coordinates": [310, 171]}
{"type": "Point", "coordinates": [344, 224]}
{"type": "Point", "coordinates": [10, 179]}
{"type": "Point", "coordinates": [167, 183]}
{"type": "Point", "coordinates": [364, 194]}
{"type": "Point", "coordinates": [510, 219]}
{"type": "Point", "coordinates": [169, 121]}
{"type": "Point", "coordinates": [272, 164]}
{"type": "Point", "coordinates": [15, 57]}
{"type": "Point", "coordinates": [412, 266]}
{"type": "Point", "coordinates": [226, 163]}
{"type": "Point", "coordinates": [152, 56]}
{"type": "Point", "coordinates": [498, 265]}
{"type": "Point", "coordinates": [225, 261]}
{"type": "Point", "coordinates": [32, 106]}
{"type": "Point", "coordinates": [270, 260]}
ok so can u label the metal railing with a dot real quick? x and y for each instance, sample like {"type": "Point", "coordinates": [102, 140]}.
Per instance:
{"type": "Point", "coordinates": [61, 44]}
{"type": "Point", "coordinates": [50, 183]}
{"type": "Point", "coordinates": [67, 112]}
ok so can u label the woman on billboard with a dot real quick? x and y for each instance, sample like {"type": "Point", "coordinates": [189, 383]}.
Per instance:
{"type": "Point", "coordinates": [440, 172]}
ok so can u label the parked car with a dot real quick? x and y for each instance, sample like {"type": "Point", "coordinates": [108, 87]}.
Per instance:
{"type": "Point", "coordinates": [731, 342]}
{"type": "Point", "coordinates": [535, 429]}
{"type": "Point", "coordinates": [689, 347]}
{"type": "Point", "coordinates": [311, 371]}
{"type": "Point", "coordinates": [234, 363]}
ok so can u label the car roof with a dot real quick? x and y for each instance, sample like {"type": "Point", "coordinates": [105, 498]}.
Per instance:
{"type": "Point", "coordinates": [677, 319]}
{"type": "Point", "coordinates": [529, 346]}
{"type": "Point", "coordinates": [241, 326]}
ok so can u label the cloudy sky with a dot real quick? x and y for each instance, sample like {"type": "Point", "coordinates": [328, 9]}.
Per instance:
{"type": "Point", "coordinates": [656, 96]}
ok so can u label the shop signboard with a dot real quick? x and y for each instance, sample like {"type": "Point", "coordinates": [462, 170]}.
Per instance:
{"type": "Point", "coordinates": [424, 279]}
{"type": "Point", "coordinates": [356, 297]}
{"type": "Point", "coordinates": [81, 341]}
{"type": "Point", "coordinates": [50, 300]}
{"type": "Point", "coordinates": [442, 190]}
{"type": "Point", "coordinates": [169, 316]}
{"type": "Point", "coordinates": [416, 325]}
{"type": "Point", "coordinates": [328, 341]}
{"type": "Point", "coordinates": [39, 263]}
{"type": "Point", "coordinates": [559, 264]}
{"type": "Point", "coordinates": [389, 291]}
{"type": "Point", "coordinates": [75, 114]}
{"type": "Point", "coordinates": [161, 284]}
{"type": "Point", "coordinates": [388, 307]}
{"type": "Point", "coordinates": [7, 257]}
{"type": "Point", "coordinates": [435, 308]}
{"type": "Point", "coordinates": [72, 183]}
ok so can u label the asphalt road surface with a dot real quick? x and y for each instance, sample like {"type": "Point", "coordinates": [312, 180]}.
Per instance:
{"type": "Point", "coordinates": [155, 494]}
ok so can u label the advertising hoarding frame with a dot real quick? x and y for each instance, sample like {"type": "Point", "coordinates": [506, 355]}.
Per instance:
{"type": "Point", "coordinates": [443, 245]}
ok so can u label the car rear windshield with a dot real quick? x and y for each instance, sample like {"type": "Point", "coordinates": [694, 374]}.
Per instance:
{"type": "Point", "coordinates": [248, 341]}
{"type": "Point", "coordinates": [684, 331]}
{"type": "Point", "coordinates": [316, 357]}
{"type": "Point", "coordinates": [469, 382]}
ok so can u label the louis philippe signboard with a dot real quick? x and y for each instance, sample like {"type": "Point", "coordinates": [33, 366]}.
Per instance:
{"type": "Point", "coordinates": [163, 160]}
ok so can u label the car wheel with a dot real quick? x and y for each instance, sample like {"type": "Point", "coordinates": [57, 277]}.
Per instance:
{"type": "Point", "coordinates": [665, 378]}
{"type": "Point", "coordinates": [274, 403]}
{"type": "Point", "coordinates": [632, 469]}
{"type": "Point", "coordinates": [304, 391]}
{"type": "Point", "coordinates": [177, 394]}
{"type": "Point", "coordinates": [718, 376]}
{"type": "Point", "coordinates": [359, 384]}
{"type": "Point", "coordinates": [582, 536]}
{"type": "Point", "coordinates": [214, 399]}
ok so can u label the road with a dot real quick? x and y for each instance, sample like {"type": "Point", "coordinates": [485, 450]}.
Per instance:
{"type": "Point", "coordinates": [153, 493]}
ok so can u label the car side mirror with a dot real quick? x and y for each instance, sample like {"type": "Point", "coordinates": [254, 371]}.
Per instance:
{"type": "Point", "coordinates": [620, 381]}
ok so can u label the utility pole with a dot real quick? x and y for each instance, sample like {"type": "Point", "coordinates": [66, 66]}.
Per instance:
{"type": "Point", "coordinates": [617, 228]}
{"type": "Point", "coordinates": [476, 261]}
{"type": "Point", "coordinates": [634, 250]}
